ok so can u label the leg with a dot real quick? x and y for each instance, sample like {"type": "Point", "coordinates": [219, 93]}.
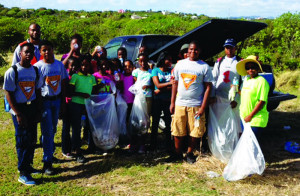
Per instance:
{"type": "Point", "coordinates": [65, 135]}
{"type": "Point", "coordinates": [156, 112]}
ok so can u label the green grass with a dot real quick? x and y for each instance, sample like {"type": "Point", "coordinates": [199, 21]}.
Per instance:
{"type": "Point", "coordinates": [120, 174]}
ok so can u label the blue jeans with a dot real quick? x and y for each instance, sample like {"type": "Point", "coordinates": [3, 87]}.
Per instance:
{"type": "Point", "coordinates": [49, 121]}
{"type": "Point", "coordinates": [25, 138]}
{"type": "Point", "coordinates": [76, 112]}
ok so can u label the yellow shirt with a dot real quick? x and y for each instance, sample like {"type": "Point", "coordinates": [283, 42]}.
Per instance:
{"type": "Point", "coordinates": [253, 91]}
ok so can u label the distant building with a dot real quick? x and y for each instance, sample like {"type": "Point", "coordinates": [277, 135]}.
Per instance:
{"type": "Point", "coordinates": [194, 17]}
{"type": "Point", "coordinates": [121, 11]}
{"type": "Point", "coordinates": [165, 12]}
{"type": "Point", "coordinates": [134, 16]}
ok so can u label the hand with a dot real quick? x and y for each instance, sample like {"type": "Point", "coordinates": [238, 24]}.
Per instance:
{"type": "Point", "coordinates": [156, 92]}
{"type": "Point", "coordinates": [248, 118]}
{"type": "Point", "coordinates": [233, 104]}
{"type": "Point", "coordinates": [22, 121]}
{"type": "Point", "coordinates": [199, 112]}
{"type": "Point", "coordinates": [172, 108]}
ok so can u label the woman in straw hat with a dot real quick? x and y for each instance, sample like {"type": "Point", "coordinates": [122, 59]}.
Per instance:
{"type": "Point", "coordinates": [254, 94]}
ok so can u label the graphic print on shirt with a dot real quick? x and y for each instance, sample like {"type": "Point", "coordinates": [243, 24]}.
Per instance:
{"type": "Point", "coordinates": [106, 85]}
{"type": "Point", "coordinates": [27, 88]}
{"type": "Point", "coordinates": [53, 82]}
{"type": "Point", "coordinates": [188, 79]}
{"type": "Point", "coordinates": [226, 77]}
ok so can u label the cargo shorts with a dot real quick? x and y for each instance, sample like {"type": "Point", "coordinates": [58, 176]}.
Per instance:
{"type": "Point", "coordinates": [184, 122]}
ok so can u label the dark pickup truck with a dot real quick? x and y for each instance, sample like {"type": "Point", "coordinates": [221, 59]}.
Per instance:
{"type": "Point", "coordinates": [210, 35]}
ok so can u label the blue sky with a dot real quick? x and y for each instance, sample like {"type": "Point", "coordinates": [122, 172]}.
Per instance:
{"type": "Point", "coordinates": [213, 8]}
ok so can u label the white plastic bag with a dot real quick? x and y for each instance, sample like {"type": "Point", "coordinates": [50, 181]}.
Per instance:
{"type": "Point", "coordinates": [222, 131]}
{"type": "Point", "coordinates": [247, 158]}
{"type": "Point", "coordinates": [122, 112]}
{"type": "Point", "coordinates": [103, 120]}
{"type": "Point", "coordinates": [139, 121]}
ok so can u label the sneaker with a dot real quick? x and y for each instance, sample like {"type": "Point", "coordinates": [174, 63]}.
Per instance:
{"type": "Point", "coordinates": [27, 180]}
{"type": "Point", "coordinates": [67, 155]}
{"type": "Point", "coordinates": [141, 149]}
{"type": "Point", "coordinates": [48, 169]}
{"type": "Point", "coordinates": [174, 158]}
{"type": "Point", "coordinates": [190, 158]}
{"type": "Point", "coordinates": [80, 159]}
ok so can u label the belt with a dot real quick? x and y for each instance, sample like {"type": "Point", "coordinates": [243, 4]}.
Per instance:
{"type": "Point", "coordinates": [52, 98]}
{"type": "Point", "coordinates": [27, 103]}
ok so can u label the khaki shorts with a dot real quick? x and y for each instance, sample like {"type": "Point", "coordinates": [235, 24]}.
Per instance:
{"type": "Point", "coordinates": [183, 122]}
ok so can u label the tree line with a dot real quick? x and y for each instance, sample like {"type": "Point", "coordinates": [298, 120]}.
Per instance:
{"type": "Point", "coordinates": [277, 45]}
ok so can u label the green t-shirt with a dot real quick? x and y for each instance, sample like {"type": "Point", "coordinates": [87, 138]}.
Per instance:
{"type": "Point", "coordinates": [253, 91]}
{"type": "Point", "coordinates": [83, 84]}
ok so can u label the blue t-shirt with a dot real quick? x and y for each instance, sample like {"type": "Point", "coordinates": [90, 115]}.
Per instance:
{"type": "Point", "coordinates": [52, 75]}
{"type": "Point", "coordinates": [163, 77]}
{"type": "Point", "coordinates": [26, 83]}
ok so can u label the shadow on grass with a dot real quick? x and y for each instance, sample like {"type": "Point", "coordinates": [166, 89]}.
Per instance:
{"type": "Point", "coordinates": [99, 164]}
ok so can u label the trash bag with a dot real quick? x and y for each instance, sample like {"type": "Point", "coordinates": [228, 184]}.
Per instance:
{"type": "Point", "coordinates": [247, 158]}
{"type": "Point", "coordinates": [122, 112]}
{"type": "Point", "coordinates": [103, 120]}
{"type": "Point", "coordinates": [222, 131]}
{"type": "Point", "coordinates": [139, 121]}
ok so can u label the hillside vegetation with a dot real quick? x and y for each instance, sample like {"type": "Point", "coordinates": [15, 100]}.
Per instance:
{"type": "Point", "coordinates": [277, 45]}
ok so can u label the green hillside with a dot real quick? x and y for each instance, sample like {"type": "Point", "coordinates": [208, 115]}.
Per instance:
{"type": "Point", "coordinates": [277, 45]}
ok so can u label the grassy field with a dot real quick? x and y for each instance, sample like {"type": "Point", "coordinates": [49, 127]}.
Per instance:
{"type": "Point", "coordinates": [120, 174]}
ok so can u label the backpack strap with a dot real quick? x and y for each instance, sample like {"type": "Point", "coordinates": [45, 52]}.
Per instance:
{"type": "Point", "coordinates": [16, 73]}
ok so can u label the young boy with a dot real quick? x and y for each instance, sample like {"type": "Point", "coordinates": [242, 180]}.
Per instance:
{"type": "Point", "coordinates": [191, 90]}
{"type": "Point", "coordinates": [54, 77]}
{"type": "Point", "coordinates": [22, 89]}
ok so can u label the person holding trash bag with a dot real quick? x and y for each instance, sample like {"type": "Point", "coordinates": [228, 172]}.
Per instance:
{"type": "Point", "coordinates": [254, 94]}
{"type": "Point", "coordinates": [191, 91]}
{"type": "Point", "coordinates": [82, 84]}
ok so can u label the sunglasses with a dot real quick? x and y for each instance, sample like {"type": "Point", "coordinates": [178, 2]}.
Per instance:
{"type": "Point", "coordinates": [251, 67]}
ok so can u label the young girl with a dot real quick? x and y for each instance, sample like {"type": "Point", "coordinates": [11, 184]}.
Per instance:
{"type": "Point", "coordinates": [161, 77]}
{"type": "Point", "coordinates": [72, 67]}
{"type": "Point", "coordinates": [142, 76]}
{"type": "Point", "coordinates": [82, 84]}
{"type": "Point", "coordinates": [128, 81]}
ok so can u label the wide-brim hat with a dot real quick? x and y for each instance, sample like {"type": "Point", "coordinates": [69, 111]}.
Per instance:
{"type": "Point", "coordinates": [240, 66]}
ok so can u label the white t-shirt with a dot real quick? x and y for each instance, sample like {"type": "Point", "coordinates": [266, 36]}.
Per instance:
{"type": "Point", "coordinates": [143, 78]}
{"type": "Point", "coordinates": [191, 76]}
{"type": "Point", "coordinates": [223, 77]}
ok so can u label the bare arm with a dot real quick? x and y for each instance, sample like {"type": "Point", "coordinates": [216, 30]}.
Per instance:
{"type": "Point", "coordinates": [160, 85]}
{"type": "Point", "coordinates": [256, 109]}
{"type": "Point", "coordinates": [173, 97]}
{"type": "Point", "coordinates": [207, 86]}
{"type": "Point", "coordinates": [21, 118]}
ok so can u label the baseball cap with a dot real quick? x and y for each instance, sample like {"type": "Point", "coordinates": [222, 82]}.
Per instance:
{"type": "Point", "coordinates": [230, 42]}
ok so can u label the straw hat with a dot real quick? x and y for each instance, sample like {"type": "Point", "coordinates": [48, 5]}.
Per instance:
{"type": "Point", "coordinates": [240, 66]}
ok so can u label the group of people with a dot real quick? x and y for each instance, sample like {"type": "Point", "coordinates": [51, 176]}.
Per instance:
{"type": "Point", "coordinates": [40, 88]}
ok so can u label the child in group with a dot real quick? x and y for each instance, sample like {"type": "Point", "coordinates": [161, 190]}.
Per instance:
{"type": "Point", "coordinates": [161, 77]}
{"type": "Point", "coordinates": [72, 67]}
{"type": "Point", "coordinates": [117, 76]}
{"type": "Point", "coordinates": [82, 84]}
{"type": "Point", "coordinates": [53, 91]}
{"type": "Point", "coordinates": [105, 84]}
{"type": "Point", "coordinates": [128, 81]}
{"type": "Point", "coordinates": [142, 76]}
{"type": "Point", "coordinates": [22, 90]}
